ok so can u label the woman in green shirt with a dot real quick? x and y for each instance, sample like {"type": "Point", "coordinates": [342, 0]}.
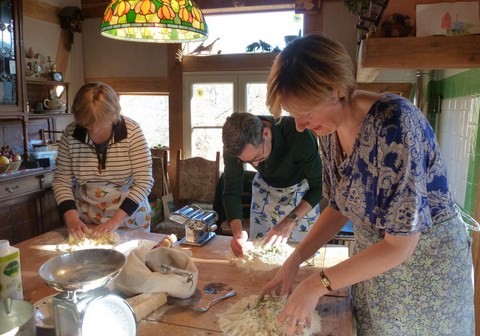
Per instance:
{"type": "Point", "coordinates": [287, 187]}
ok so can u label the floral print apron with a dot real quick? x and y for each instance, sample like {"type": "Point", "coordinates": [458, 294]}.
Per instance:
{"type": "Point", "coordinates": [98, 201]}
{"type": "Point", "coordinates": [270, 205]}
{"type": "Point", "coordinates": [394, 181]}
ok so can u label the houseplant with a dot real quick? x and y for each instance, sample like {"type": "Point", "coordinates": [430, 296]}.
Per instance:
{"type": "Point", "coordinates": [357, 7]}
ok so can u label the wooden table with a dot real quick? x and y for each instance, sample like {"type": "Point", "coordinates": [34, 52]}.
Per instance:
{"type": "Point", "coordinates": [175, 318]}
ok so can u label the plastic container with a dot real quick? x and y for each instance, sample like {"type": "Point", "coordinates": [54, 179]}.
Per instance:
{"type": "Point", "coordinates": [51, 155]}
{"type": "Point", "coordinates": [10, 273]}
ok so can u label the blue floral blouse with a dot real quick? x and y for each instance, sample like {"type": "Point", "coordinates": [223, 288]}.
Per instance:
{"type": "Point", "coordinates": [394, 180]}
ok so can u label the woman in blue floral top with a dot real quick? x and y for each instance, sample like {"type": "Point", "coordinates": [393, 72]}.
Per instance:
{"type": "Point", "coordinates": [382, 169]}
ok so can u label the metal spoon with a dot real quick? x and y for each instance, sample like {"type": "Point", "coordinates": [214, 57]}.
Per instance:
{"type": "Point", "coordinates": [214, 301]}
{"type": "Point", "coordinates": [167, 269]}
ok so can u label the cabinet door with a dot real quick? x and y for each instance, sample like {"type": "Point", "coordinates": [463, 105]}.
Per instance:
{"type": "Point", "coordinates": [6, 228]}
{"type": "Point", "coordinates": [11, 60]}
{"type": "Point", "coordinates": [50, 215]}
{"type": "Point", "coordinates": [21, 219]}
{"type": "Point", "coordinates": [25, 219]}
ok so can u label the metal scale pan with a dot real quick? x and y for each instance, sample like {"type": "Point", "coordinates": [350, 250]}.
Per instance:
{"type": "Point", "coordinates": [82, 270]}
{"type": "Point", "coordinates": [86, 306]}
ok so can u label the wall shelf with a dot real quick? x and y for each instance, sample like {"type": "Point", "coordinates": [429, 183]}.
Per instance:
{"type": "Point", "coordinates": [430, 52]}
{"type": "Point", "coordinates": [38, 90]}
{"type": "Point", "coordinates": [229, 62]}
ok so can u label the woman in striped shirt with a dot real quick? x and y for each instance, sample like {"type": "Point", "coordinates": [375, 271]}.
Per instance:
{"type": "Point", "coordinates": [104, 168]}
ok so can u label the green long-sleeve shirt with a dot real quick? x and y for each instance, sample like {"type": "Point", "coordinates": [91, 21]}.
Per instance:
{"type": "Point", "coordinates": [294, 157]}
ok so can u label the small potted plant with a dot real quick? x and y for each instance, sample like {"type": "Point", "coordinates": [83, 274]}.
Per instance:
{"type": "Point", "coordinates": [357, 7]}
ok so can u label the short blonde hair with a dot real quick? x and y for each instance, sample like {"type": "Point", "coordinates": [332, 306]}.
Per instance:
{"type": "Point", "coordinates": [96, 102]}
{"type": "Point", "coordinates": [309, 69]}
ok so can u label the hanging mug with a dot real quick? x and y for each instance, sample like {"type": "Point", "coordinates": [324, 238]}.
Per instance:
{"type": "Point", "coordinates": [55, 104]}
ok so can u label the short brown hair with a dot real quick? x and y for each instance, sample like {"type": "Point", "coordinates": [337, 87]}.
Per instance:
{"type": "Point", "coordinates": [308, 69]}
{"type": "Point", "coordinates": [240, 129]}
{"type": "Point", "coordinates": [96, 102]}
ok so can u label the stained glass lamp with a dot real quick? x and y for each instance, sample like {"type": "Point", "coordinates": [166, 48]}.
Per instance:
{"type": "Point", "coordinates": [160, 21]}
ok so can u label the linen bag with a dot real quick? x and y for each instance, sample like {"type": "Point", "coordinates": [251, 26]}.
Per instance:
{"type": "Point", "coordinates": [136, 277]}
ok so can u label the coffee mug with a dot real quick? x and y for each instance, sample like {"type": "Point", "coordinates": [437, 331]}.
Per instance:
{"type": "Point", "coordinates": [55, 104]}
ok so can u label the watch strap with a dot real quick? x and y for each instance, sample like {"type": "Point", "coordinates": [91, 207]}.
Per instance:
{"type": "Point", "coordinates": [293, 216]}
{"type": "Point", "coordinates": [325, 281]}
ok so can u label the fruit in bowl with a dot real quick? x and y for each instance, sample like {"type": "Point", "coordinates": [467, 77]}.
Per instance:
{"type": "Point", "coordinates": [14, 165]}
{"type": "Point", "coordinates": [9, 161]}
{"type": "Point", "coordinates": [4, 164]}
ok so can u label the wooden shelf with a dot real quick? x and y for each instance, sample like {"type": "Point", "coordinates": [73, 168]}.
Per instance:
{"type": "Point", "coordinates": [229, 62]}
{"type": "Point", "coordinates": [39, 81]}
{"type": "Point", "coordinates": [421, 53]}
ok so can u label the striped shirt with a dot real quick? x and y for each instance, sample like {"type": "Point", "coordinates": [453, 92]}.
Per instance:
{"type": "Point", "coordinates": [127, 162]}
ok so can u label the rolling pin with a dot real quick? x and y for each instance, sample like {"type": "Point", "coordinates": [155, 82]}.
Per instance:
{"type": "Point", "coordinates": [146, 303]}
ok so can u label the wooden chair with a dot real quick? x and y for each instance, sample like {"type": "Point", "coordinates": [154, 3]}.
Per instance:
{"type": "Point", "coordinates": [196, 180]}
{"type": "Point", "coordinates": [159, 169]}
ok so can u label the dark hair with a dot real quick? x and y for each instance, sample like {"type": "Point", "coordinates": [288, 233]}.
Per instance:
{"type": "Point", "coordinates": [240, 129]}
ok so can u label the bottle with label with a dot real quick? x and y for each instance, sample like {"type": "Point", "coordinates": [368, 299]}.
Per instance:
{"type": "Point", "coordinates": [10, 274]}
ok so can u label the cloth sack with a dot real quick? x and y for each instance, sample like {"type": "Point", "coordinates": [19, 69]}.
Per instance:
{"type": "Point", "coordinates": [136, 277]}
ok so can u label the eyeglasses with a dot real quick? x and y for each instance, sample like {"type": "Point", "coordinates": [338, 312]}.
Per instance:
{"type": "Point", "coordinates": [258, 158]}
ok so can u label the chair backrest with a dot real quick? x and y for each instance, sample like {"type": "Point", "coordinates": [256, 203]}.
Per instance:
{"type": "Point", "coordinates": [196, 180]}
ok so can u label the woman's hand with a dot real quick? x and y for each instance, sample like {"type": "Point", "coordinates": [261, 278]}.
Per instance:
{"type": "Point", "coordinates": [283, 279]}
{"type": "Point", "coordinates": [75, 226]}
{"type": "Point", "coordinates": [111, 224]}
{"type": "Point", "coordinates": [279, 234]}
{"type": "Point", "coordinates": [301, 304]}
{"type": "Point", "coordinates": [107, 227]}
{"type": "Point", "coordinates": [237, 243]}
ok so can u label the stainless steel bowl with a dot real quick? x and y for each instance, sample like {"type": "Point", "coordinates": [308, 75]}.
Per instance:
{"type": "Point", "coordinates": [82, 270]}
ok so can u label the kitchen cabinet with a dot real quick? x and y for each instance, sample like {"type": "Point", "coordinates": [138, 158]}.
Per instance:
{"type": "Point", "coordinates": [22, 219]}
{"type": "Point", "coordinates": [417, 53]}
{"type": "Point", "coordinates": [27, 207]}
{"type": "Point", "coordinates": [19, 213]}
{"type": "Point", "coordinates": [50, 215]}
{"type": "Point", "coordinates": [11, 60]}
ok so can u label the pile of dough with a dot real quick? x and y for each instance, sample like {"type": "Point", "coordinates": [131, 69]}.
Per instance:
{"type": "Point", "coordinates": [260, 257]}
{"type": "Point", "coordinates": [107, 241]}
{"type": "Point", "coordinates": [253, 316]}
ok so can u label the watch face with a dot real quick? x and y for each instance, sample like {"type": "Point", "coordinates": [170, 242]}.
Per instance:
{"type": "Point", "coordinates": [57, 76]}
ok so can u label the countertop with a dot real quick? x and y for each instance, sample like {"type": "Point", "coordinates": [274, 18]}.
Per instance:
{"type": "Point", "coordinates": [175, 318]}
{"type": "Point", "coordinates": [24, 173]}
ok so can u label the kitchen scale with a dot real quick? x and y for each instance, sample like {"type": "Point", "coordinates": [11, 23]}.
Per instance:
{"type": "Point", "coordinates": [85, 305]}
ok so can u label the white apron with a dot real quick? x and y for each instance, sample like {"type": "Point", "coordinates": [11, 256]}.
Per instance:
{"type": "Point", "coordinates": [98, 201]}
{"type": "Point", "coordinates": [270, 205]}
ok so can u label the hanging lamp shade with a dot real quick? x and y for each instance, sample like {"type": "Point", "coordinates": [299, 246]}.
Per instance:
{"type": "Point", "coordinates": [160, 21]}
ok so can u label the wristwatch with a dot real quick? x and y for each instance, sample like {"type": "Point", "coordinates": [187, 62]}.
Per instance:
{"type": "Point", "coordinates": [293, 217]}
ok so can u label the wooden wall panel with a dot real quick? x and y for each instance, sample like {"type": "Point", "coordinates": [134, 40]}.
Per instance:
{"type": "Point", "coordinates": [134, 84]}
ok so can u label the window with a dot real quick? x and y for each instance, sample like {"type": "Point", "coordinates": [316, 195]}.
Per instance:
{"type": "Point", "coordinates": [210, 99]}
{"type": "Point", "coordinates": [247, 28]}
{"type": "Point", "coordinates": [151, 112]}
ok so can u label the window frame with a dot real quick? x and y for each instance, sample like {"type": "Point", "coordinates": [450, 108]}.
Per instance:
{"type": "Point", "coordinates": [239, 79]}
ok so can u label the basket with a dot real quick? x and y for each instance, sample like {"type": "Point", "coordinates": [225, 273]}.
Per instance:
{"type": "Point", "coordinates": [14, 165]}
